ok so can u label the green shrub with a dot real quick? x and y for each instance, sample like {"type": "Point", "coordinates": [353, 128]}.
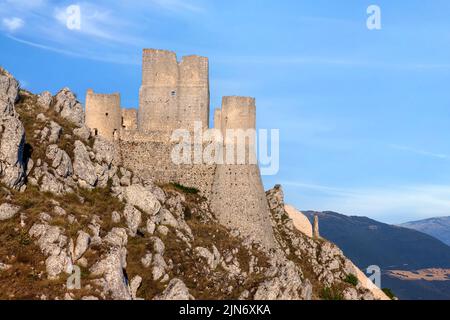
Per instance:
{"type": "Point", "coordinates": [185, 189]}
{"type": "Point", "coordinates": [352, 279]}
{"type": "Point", "coordinates": [331, 294]}
{"type": "Point", "coordinates": [389, 293]}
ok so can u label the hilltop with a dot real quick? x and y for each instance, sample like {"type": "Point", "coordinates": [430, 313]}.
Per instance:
{"type": "Point", "coordinates": [67, 208]}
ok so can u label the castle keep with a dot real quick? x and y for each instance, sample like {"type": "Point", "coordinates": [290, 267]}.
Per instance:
{"type": "Point", "coordinates": [175, 95]}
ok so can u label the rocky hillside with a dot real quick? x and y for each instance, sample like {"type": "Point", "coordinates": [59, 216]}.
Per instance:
{"type": "Point", "coordinates": [68, 208]}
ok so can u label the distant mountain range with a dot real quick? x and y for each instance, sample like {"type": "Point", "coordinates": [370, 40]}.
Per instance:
{"type": "Point", "coordinates": [369, 242]}
{"type": "Point", "coordinates": [436, 227]}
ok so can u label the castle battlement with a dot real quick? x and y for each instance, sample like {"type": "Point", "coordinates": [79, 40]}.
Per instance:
{"type": "Point", "coordinates": [175, 95]}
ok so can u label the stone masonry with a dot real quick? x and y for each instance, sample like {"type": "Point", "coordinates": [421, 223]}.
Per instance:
{"type": "Point", "coordinates": [175, 95]}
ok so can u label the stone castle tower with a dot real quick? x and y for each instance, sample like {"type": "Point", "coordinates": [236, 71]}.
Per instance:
{"type": "Point", "coordinates": [103, 114]}
{"type": "Point", "coordinates": [174, 95]}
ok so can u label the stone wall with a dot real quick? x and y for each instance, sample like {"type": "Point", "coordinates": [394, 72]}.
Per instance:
{"type": "Point", "coordinates": [173, 94]}
{"type": "Point", "coordinates": [129, 119]}
{"type": "Point", "coordinates": [150, 155]}
{"type": "Point", "coordinates": [103, 114]}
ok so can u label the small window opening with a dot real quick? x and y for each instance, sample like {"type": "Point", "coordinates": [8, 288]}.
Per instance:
{"type": "Point", "coordinates": [107, 114]}
{"type": "Point", "coordinates": [174, 93]}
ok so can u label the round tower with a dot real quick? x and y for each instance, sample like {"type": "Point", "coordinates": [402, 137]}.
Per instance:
{"type": "Point", "coordinates": [238, 198]}
{"type": "Point", "coordinates": [103, 114]}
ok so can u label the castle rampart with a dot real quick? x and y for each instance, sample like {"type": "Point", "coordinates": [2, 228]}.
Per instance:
{"type": "Point", "coordinates": [103, 114]}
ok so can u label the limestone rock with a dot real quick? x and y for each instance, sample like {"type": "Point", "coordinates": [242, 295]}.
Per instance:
{"type": "Point", "coordinates": [142, 198]}
{"type": "Point", "coordinates": [111, 269]}
{"type": "Point", "coordinates": [12, 144]}
{"type": "Point", "coordinates": [83, 133]}
{"type": "Point", "coordinates": [117, 237]}
{"type": "Point", "coordinates": [82, 245]}
{"type": "Point", "coordinates": [70, 109]}
{"type": "Point", "coordinates": [45, 99]}
{"type": "Point", "coordinates": [9, 90]}
{"type": "Point", "coordinates": [57, 264]}
{"type": "Point", "coordinates": [55, 132]}
{"type": "Point", "coordinates": [8, 211]}
{"type": "Point", "coordinates": [176, 290]}
{"type": "Point", "coordinates": [49, 183]}
{"type": "Point", "coordinates": [134, 286]}
{"type": "Point", "coordinates": [83, 167]}
{"type": "Point", "coordinates": [133, 219]}
{"type": "Point", "coordinates": [60, 161]}
{"type": "Point", "coordinates": [104, 150]}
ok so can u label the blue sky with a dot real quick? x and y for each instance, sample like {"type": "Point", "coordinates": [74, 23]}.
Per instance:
{"type": "Point", "coordinates": [363, 115]}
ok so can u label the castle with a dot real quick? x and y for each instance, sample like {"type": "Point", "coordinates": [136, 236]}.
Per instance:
{"type": "Point", "coordinates": [175, 95]}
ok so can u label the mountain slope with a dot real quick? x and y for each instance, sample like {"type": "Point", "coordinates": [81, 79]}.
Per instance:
{"type": "Point", "coordinates": [435, 227]}
{"type": "Point", "coordinates": [368, 242]}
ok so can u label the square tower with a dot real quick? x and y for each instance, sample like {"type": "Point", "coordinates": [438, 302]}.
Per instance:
{"type": "Point", "coordinates": [173, 94]}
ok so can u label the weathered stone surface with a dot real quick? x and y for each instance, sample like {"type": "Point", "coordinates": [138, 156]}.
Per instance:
{"type": "Point", "coordinates": [70, 109]}
{"type": "Point", "coordinates": [111, 269]}
{"type": "Point", "coordinates": [104, 150]}
{"type": "Point", "coordinates": [83, 167]}
{"type": "Point", "coordinates": [133, 219]}
{"type": "Point", "coordinates": [82, 245]}
{"type": "Point", "coordinates": [60, 160]}
{"type": "Point", "coordinates": [12, 143]}
{"type": "Point", "coordinates": [83, 133]}
{"type": "Point", "coordinates": [117, 237]}
{"type": "Point", "coordinates": [49, 183]}
{"type": "Point", "coordinates": [142, 198]}
{"type": "Point", "coordinates": [176, 290]}
{"type": "Point", "coordinates": [55, 132]}
{"type": "Point", "coordinates": [45, 99]}
{"type": "Point", "coordinates": [212, 259]}
{"type": "Point", "coordinates": [8, 211]}
{"type": "Point", "coordinates": [9, 90]}
{"type": "Point", "coordinates": [135, 283]}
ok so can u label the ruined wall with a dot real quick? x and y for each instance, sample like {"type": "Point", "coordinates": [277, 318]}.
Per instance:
{"type": "Point", "coordinates": [103, 114]}
{"type": "Point", "coordinates": [173, 95]}
{"type": "Point", "coordinates": [150, 155]}
{"type": "Point", "coordinates": [129, 119]}
{"type": "Point", "coordinates": [237, 196]}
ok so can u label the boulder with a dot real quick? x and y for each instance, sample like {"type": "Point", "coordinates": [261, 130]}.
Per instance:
{"type": "Point", "coordinates": [142, 198]}
{"type": "Point", "coordinates": [8, 211]}
{"type": "Point", "coordinates": [83, 167]}
{"type": "Point", "coordinates": [9, 92]}
{"type": "Point", "coordinates": [60, 160]}
{"type": "Point", "coordinates": [12, 144]}
{"type": "Point", "coordinates": [111, 269]}
{"type": "Point", "coordinates": [45, 99]}
{"type": "Point", "coordinates": [133, 219]}
{"type": "Point", "coordinates": [176, 290]}
{"type": "Point", "coordinates": [68, 107]}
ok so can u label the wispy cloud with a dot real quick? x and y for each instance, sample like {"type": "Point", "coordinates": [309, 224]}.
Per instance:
{"type": "Point", "coordinates": [393, 204]}
{"type": "Point", "coordinates": [178, 5]}
{"type": "Point", "coordinates": [13, 24]}
{"type": "Point", "coordinates": [420, 152]}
